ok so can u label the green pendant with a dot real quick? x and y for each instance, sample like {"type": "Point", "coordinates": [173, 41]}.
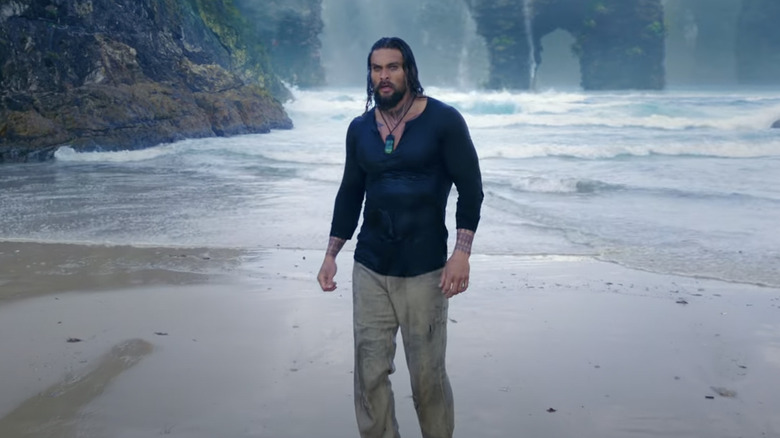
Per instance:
{"type": "Point", "coordinates": [389, 143]}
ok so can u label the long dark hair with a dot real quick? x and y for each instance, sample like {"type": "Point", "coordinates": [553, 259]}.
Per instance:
{"type": "Point", "coordinates": [410, 67]}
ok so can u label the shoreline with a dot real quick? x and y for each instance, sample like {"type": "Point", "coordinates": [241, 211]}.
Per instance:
{"type": "Point", "coordinates": [33, 268]}
{"type": "Point", "coordinates": [192, 344]}
{"type": "Point", "coordinates": [30, 269]}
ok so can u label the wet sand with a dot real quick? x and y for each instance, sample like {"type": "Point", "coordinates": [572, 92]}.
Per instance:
{"type": "Point", "coordinates": [30, 269]}
{"type": "Point", "coordinates": [140, 342]}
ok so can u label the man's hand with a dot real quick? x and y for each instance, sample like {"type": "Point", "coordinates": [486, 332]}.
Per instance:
{"type": "Point", "coordinates": [455, 277]}
{"type": "Point", "coordinates": [327, 273]}
{"type": "Point", "coordinates": [328, 269]}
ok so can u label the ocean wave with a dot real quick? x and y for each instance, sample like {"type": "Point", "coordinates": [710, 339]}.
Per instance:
{"type": "Point", "coordinates": [512, 125]}
{"type": "Point", "coordinates": [508, 187]}
{"type": "Point", "coordinates": [658, 111]}
{"type": "Point", "coordinates": [495, 109]}
{"type": "Point", "coordinates": [760, 120]}
{"type": "Point", "coordinates": [276, 149]}
{"type": "Point", "coordinates": [540, 184]}
{"type": "Point", "coordinates": [590, 146]}
{"type": "Point", "coordinates": [68, 154]}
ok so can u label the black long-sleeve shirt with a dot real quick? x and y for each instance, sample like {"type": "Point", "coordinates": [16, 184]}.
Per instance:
{"type": "Point", "coordinates": [404, 232]}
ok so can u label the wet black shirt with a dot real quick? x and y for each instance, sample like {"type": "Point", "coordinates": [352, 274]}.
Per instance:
{"type": "Point", "coordinates": [404, 232]}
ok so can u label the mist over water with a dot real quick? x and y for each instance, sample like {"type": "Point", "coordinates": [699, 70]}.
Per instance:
{"type": "Point", "coordinates": [701, 41]}
{"type": "Point", "coordinates": [684, 182]}
{"type": "Point", "coordinates": [700, 44]}
{"type": "Point", "coordinates": [442, 34]}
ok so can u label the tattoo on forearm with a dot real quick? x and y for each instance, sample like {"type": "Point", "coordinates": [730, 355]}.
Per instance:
{"type": "Point", "coordinates": [464, 240]}
{"type": "Point", "coordinates": [334, 246]}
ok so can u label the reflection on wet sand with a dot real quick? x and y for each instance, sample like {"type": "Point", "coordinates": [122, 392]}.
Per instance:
{"type": "Point", "coordinates": [36, 269]}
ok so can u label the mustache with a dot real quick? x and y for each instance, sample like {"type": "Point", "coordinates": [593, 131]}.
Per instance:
{"type": "Point", "coordinates": [385, 84]}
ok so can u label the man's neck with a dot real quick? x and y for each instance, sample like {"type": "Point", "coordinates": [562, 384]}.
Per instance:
{"type": "Point", "coordinates": [402, 106]}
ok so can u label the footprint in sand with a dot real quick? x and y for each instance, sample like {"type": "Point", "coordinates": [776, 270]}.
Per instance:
{"type": "Point", "coordinates": [52, 413]}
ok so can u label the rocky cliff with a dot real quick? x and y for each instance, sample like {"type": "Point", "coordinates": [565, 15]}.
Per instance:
{"type": "Point", "coordinates": [620, 43]}
{"type": "Point", "coordinates": [118, 74]}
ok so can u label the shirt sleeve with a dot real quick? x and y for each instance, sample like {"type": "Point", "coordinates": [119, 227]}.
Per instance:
{"type": "Point", "coordinates": [462, 163]}
{"type": "Point", "coordinates": [349, 199]}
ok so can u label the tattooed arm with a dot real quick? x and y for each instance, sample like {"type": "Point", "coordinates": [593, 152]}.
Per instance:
{"type": "Point", "coordinates": [455, 276]}
{"type": "Point", "coordinates": [464, 240]}
{"type": "Point", "coordinates": [328, 269]}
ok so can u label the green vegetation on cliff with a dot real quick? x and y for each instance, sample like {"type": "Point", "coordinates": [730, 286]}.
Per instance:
{"type": "Point", "coordinates": [621, 45]}
{"type": "Point", "coordinates": [248, 54]}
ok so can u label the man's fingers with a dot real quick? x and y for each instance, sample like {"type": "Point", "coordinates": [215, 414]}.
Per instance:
{"type": "Point", "coordinates": [326, 282]}
{"type": "Point", "coordinates": [452, 287]}
{"type": "Point", "coordinates": [446, 286]}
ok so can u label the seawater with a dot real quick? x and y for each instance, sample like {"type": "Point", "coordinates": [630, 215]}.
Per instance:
{"type": "Point", "coordinates": [682, 181]}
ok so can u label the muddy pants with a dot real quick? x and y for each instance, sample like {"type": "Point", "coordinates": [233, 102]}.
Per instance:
{"type": "Point", "coordinates": [382, 304]}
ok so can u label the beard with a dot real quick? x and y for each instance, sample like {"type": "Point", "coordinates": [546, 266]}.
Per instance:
{"type": "Point", "coordinates": [389, 102]}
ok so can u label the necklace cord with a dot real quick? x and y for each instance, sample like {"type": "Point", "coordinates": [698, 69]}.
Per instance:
{"type": "Point", "coordinates": [381, 114]}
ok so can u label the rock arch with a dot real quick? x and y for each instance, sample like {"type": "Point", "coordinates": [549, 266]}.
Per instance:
{"type": "Point", "coordinates": [620, 44]}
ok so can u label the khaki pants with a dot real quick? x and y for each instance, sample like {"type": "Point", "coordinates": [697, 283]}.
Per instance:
{"type": "Point", "coordinates": [381, 305]}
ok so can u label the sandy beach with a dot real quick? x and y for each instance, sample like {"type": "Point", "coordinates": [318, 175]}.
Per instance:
{"type": "Point", "coordinates": [141, 342]}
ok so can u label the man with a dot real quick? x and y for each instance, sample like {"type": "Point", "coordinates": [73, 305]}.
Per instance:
{"type": "Point", "coordinates": [403, 154]}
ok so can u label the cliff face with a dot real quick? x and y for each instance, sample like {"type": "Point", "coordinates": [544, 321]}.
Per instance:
{"type": "Point", "coordinates": [502, 23]}
{"type": "Point", "coordinates": [290, 29]}
{"type": "Point", "coordinates": [118, 74]}
{"type": "Point", "coordinates": [620, 43]}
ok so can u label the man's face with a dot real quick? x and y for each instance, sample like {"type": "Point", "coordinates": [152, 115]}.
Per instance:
{"type": "Point", "coordinates": [388, 77]}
